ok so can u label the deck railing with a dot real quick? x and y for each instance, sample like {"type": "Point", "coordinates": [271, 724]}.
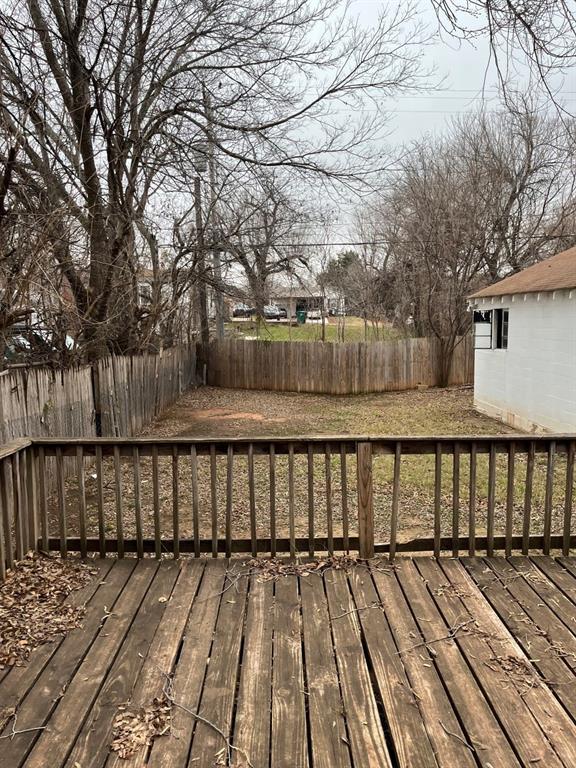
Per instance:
{"type": "Point", "coordinates": [287, 495]}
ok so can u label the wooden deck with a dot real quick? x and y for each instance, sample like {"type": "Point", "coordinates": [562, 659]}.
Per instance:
{"type": "Point", "coordinates": [425, 663]}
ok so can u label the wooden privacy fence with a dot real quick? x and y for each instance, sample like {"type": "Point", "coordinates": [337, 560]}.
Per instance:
{"type": "Point", "coordinates": [115, 397]}
{"type": "Point", "coordinates": [132, 391]}
{"type": "Point", "coordinates": [181, 495]}
{"type": "Point", "coordinates": [339, 369]}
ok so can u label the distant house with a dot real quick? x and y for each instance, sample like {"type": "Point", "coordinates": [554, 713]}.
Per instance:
{"type": "Point", "coordinates": [525, 346]}
{"type": "Point", "coordinates": [298, 300]}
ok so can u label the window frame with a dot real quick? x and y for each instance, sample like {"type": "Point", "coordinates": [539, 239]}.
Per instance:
{"type": "Point", "coordinates": [500, 328]}
{"type": "Point", "coordinates": [483, 317]}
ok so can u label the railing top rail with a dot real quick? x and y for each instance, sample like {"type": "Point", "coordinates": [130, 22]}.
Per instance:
{"type": "Point", "coordinates": [408, 445]}
{"type": "Point", "coordinates": [14, 446]}
{"type": "Point", "coordinates": [328, 438]}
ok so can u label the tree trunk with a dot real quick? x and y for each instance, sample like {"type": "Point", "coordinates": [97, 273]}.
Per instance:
{"type": "Point", "coordinates": [202, 294]}
{"type": "Point", "coordinates": [445, 354]}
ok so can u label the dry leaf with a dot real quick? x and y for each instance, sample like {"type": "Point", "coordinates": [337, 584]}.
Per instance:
{"type": "Point", "coordinates": [32, 607]}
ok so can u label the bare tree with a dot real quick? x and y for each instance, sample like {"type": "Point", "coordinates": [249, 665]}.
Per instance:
{"type": "Point", "coordinates": [540, 33]}
{"type": "Point", "coordinates": [108, 98]}
{"type": "Point", "coordinates": [493, 195]}
{"type": "Point", "coordinates": [31, 299]}
{"type": "Point", "coordinates": [260, 233]}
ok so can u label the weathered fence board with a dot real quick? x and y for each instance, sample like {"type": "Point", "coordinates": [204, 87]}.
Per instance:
{"type": "Point", "coordinates": [338, 369]}
{"type": "Point", "coordinates": [42, 402]}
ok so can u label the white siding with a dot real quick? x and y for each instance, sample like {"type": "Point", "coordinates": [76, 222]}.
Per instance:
{"type": "Point", "coordinates": [532, 384]}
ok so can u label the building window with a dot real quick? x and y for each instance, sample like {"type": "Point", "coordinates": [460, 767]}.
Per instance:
{"type": "Point", "coordinates": [482, 329]}
{"type": "Point", "coordinates": [491, 329]}
{"type": "Point", "coordinates": [500, 329]}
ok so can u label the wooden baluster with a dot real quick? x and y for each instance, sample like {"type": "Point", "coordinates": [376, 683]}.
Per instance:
{"type": "Point", "coordinates": [548, 496]}
{"type": "Point", "coordinates": [530, 458]}
{"type": "Point", "coordinates": [229, 498]}
{"type": "Point", "coordinates": [195, 509]}
{"type": "Point", "coordinates": [61, 503]}
{"type": "Point", "coordinates": [81, 500]}
{"type": "Point", "coordinates": [156, 504]}
{"type": "Point", "coordinates": [272, 500]}
{"type": "Point", "coordinates": [291, 520]}
{"type": "Point", "coordinates": [510, 498]}
{"type": "Point", "coordinates": [100, 501]}
{"type": "Point", "coordinates": [329, 521]}
{"type": "Point", "coordinates": [491, 500]}
{"type": "Point", "coordinates": [175, 503]}
{"type": "Point", "coordinates": [214, 499]}
{"type": "Point", "coordinates": [119, 502]}
{"type": "Point", "coordinates": [7, 555]}
{"type": "Point", "coordinates": [23, 500]}
{"type": "Point", "coordinates": [365, 500]}
{"type": "Point", "coordinates": [472, 503]}
{"type": "Point", "coordinates": [7, 511]}
{"type": "Point", "coordinates": [32, 497]}
{"type": "Point", "coordinates": [437, 499]}
{"type": "Point", "coordinates": [311, 532]}
{"type": "Point", "coordinates": [137, 501]}
{"type": "Point", "coordinates": [252, 501]}
{"type": "Point", "coordinates": [456, 500]}
{"type": "Point", "coordinates": [568, 496]}
{"type": "Point", "coordinates": [3, 555]}
{"type": "Point", "coordinates": [395, 500]}
{"type": "Point", "coordinates": [344, 487]}
{"type": "Point", "coordinates": [43, 497]}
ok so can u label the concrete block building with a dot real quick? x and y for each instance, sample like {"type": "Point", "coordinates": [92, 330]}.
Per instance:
{"type": "Point", "coordinates": [525, 346]}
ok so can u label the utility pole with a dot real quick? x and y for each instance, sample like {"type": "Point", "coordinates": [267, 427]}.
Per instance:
{"type": "Point", "coordinates": [216, 261]}
{"type": "Point", "coordinates": [201, 261]}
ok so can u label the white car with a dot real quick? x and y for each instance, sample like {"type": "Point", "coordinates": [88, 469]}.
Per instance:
{"type": "Point", "coordinates": [314, 314]}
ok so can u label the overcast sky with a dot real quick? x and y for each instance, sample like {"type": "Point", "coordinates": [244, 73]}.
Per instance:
{"type": "Point", "coordinates": [467, 79]}
{"type": "Point", "coordinates": [464, 75]}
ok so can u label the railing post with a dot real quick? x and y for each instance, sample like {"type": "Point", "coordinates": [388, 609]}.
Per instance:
{"type": "Point", "coordinates": [365, 500]}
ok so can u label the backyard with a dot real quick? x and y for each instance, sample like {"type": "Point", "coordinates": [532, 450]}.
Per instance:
{"type": "Point", "coordinates": [354, 330]}
{"type": "Point", "coordinates": [225, 413]}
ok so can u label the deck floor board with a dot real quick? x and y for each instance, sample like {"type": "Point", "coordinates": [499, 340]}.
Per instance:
{"type": "Point", "coordinates": [439, 718]}
{"type": "Point", "coordinates": [359, 668]}
{"type": "Point", "coordinates": [476, 716]}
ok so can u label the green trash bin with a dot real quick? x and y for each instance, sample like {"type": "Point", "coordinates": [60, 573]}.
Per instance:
{"type": "Point", "coordinates": [301, 316]}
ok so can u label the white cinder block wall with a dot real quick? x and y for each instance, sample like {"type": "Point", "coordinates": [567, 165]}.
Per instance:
{"type": "Point", "coordinates": [532, 384]}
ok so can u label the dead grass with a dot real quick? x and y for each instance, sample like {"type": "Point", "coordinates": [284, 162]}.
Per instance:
{"type": "Point", "coordinates": [215, 412]}
{"type": "Point", "coordinates": [230, 413]}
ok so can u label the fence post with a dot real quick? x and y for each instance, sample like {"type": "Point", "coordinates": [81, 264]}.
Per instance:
{"type": "Point", "coordinates": [365, 501]}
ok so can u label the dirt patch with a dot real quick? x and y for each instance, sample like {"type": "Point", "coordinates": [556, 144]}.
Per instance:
{"type": "Point", "coordinates": [220, 414]}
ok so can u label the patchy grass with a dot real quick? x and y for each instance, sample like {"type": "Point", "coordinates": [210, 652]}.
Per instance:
{"type": "Point", "coordinates": [312, 331]}
{"type": "Point", "coordinates": [212, 412]}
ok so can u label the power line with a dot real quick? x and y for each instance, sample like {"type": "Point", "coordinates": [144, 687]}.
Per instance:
{"type": "Point", "coordinates": [388, 241]}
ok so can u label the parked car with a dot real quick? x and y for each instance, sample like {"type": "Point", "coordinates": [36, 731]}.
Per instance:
{"type": "Point", "coordinates": [314, 314]}
{"type": "Point", "coordinates": [271, 312]}
{"type": "Point", "coordinates": [242, 310]}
